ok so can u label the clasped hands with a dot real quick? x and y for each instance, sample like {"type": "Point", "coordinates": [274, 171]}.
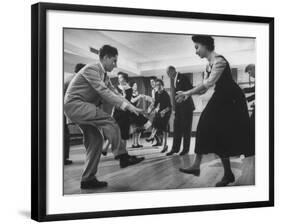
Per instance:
{"type": "Point", "coordinates": [182, 96]}
{"type": "Point", "coordinates": [134, 109]}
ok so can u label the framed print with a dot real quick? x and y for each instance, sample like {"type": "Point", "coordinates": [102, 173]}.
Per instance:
{"type": "Point", "coordinates": [138, 111]}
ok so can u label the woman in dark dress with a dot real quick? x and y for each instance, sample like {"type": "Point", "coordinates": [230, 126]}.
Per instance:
{"type": "Point", "coordinates": [162, 107]}
{"type": "Point", "coordinates": [224, 125]}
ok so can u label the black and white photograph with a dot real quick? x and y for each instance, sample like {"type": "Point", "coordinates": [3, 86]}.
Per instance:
{"type": "Point", "coordinates": [141, 112]}
{"type": "Point", "coordinates": [157, 111]}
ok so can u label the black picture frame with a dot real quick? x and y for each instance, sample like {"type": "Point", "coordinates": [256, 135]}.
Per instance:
{"type": "Point", "coordinates": [39, 122]}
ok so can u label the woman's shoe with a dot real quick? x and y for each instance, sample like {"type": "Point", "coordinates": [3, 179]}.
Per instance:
{"type": "Point", "coordinates": [165, 148]}
{"type": "Point", "coordinates": [105, 147]}
{"type": "Point", "coordinates": [158, 141]}
{"type": "Point", "coordinates": [137, 146]}
{"type": "Point", "coordinates": [140, 130]}
{"type": "Point", "coordinates": [194, 171]}
{"type": "Point", "coordinates": [226, 180]}
{"type": "Point", "coordinates": [150, 140]}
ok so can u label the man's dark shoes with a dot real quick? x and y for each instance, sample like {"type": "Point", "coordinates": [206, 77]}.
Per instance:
{"type": "Point", "coordinates": [183, 153]}
{"type": "Point", "coordinates": [104, 153]}
{"type": "Point", "coordinates": [171, 153]}
{"type": "Point", "coordinates": [92, 184]}
{"type": "Point", "coordinates": [193, 171]}
{"type": "Point", "coordinates": [165, 148]}
{"type": "Point", "coordinates": [127, 160]}
{"type": "Point", "coordinates": [137, 146]}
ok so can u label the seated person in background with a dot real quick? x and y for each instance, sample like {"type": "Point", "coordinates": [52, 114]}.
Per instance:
{"type": "Point", "coordinates": [121, 116]}
{"type": "Point", "coordinates": [153, 91]}
{"type": "Point", "coordinates": [139, 123]}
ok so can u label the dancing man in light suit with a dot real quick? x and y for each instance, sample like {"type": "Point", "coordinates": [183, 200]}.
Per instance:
{"type": "Point", "coordinates": [82, 104]}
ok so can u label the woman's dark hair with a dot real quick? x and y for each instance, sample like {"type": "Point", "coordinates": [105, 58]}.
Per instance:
{"type": "Point", "coordinates": [124, 75]}
{"type": "Point", "coordinates": [108, 50]}
{"type": "Point", "coordinates": [205, 40]}
{"type": "Point", "coordinates": [132, 83]}
{"type": "Point", "coordinates": [249, 67]}
{"type": "Point", "coordinates": [160, 81]}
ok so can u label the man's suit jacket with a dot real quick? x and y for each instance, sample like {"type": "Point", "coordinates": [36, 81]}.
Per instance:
{"type": "Point", "coordinates": [87, 91]}
{"type": "Point", "coordinates": [182, 83]}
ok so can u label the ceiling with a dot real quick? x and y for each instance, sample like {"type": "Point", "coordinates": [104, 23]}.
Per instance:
{"type": "Point", "coordinates": [141, 52]}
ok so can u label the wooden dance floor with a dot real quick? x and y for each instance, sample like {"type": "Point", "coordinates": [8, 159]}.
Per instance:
{"type": "Point", "coordinates": [156, 172]}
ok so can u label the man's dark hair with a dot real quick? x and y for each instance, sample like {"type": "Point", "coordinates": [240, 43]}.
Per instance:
{"type": "Point", "coordinates": [78, 67]}
{"type": "Point", "coordinates": [153, 78]}
{"type": "Point", "coordinates": [205, 40]}
{"type": "Point", "coordinates": [108, 50]}
{"type": "Point", "coordinates": [171, 67]}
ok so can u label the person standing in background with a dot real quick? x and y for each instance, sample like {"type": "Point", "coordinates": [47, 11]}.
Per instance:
{"type": "Point", "coordinates": [183, 113]}
{"type": "Point", "coordinates": [163, 109]}
{"type": "Point", "coordinates": [250, 69]}
{"type": "Point", "coordinates": [153, 87]}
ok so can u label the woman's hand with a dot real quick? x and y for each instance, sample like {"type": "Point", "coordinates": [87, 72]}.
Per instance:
{"type": "Point", "coordinates": [182, 95]}
{"type": "Point", "coordinates": [203, 92]}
